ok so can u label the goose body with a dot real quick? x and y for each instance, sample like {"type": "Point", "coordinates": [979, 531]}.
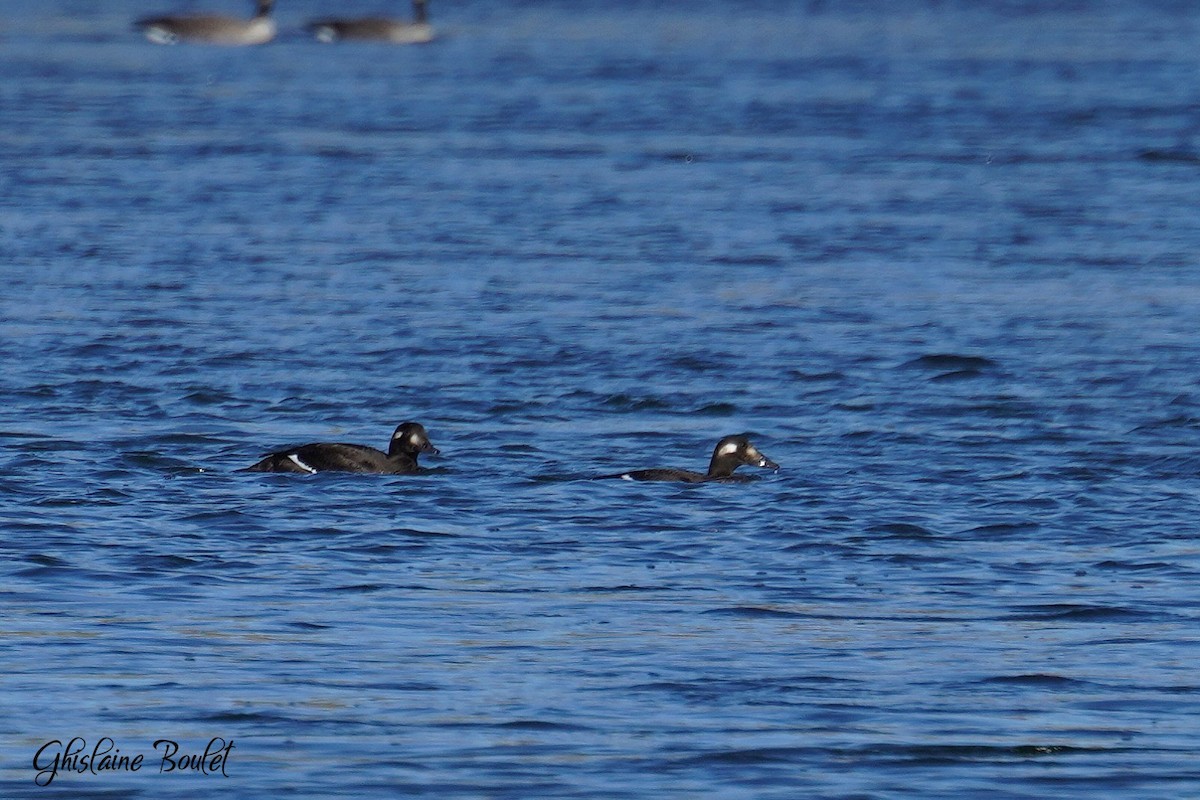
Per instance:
{"type": "Point", "coordinates": [211, 28]}
{"type": "Point", "coordinates": [376, 29]}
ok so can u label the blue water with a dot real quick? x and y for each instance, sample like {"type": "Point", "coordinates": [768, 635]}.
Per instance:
{"type": "Point", "coordinates": [939, 259]}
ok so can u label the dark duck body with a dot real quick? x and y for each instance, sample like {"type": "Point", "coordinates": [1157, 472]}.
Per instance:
{"type": "Point", "coordinates": [408, 442]}
{"type": "Point", "coordinates": [729, 454]}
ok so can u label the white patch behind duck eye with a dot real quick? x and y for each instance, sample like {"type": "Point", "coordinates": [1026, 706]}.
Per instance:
{"type": "Point", "coordinates": [295, 459]}
{"type": "Point", "coordinates": [728, 449]}
{"type": "Point", "coordinates": [415, 439]}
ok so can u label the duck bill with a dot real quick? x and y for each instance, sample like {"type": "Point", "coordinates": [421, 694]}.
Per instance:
{"type": "Point", "coordinates": [428, 447]}
{"type": "Point", "coordinates": [767, 463]}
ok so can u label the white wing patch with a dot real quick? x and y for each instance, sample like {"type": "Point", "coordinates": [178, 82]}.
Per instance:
{"type": "Point", "coordinates": [626, 477]}
{"type": "Point", "coordinates": [295, 459]}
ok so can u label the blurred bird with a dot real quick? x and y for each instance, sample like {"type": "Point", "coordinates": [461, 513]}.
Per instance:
{"type": "Point", "coordinates": [211, 28]}
{"type": "Point", "coordinates": [376, 29]}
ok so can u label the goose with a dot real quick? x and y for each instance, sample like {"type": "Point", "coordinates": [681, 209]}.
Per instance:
{"type": "Point", "coordinates": [211, 28]}
{"type": "Point", "coordinates": [376, 29]}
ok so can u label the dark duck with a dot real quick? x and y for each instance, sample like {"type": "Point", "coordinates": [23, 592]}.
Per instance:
{"type": "Point", "coordinates": [408, 442]}
{"type": "Point", "coordinates": [729, 454]}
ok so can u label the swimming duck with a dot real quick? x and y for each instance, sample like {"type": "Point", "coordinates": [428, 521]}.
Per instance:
{"type": "Point", "coordinates": [377, 29]}
{"type": "Point", "coordinates": [408, 442]}
{"type": "Point", "coordinates": [729, 454]}
{"type": "Point", "coordinates": [211, 28]}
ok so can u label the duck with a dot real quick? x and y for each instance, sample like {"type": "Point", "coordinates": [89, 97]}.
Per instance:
{"type": "Point", "coordinates": [408, 442]}
{"type": "Point", "coordinates": [729, 454]}
{"type": "Point", "coordinates": [211, 28]}
{"type": "Point", "coordinates": [376, 29]}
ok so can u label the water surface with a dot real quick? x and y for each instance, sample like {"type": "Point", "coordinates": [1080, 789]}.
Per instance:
{"type": "Point", "coordinates": [938, 259]}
